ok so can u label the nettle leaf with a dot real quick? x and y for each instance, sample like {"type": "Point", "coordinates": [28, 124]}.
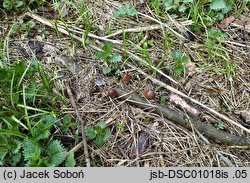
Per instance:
{"type": "Point", "coordinates": [131, 11]}
{"type": "Point", "coordinates": [182, 8]}
{"type": "Point", "coordinates": [70, 161]}
{"type": "Point", "coordinates": [16, 146]}
{"type": "Point", "coordinates": [168, 5]}
{"type": "Point", "coordinates": [16, 158]}
{"type": "Point", "coordinates": [90, 133]}
{"type": "Point", "coordinates": [106, 70]}
{"type": "Point", "coordinates": [115, 58]}
{"type": "Point", "coordinates": [102, 137]}
{"type": "Point", "coordinates": [40, 133]}
{"type": "Point", "coordinates": [188, 1]}
{"type": "Point", "coordinates": [106, 134]}
{"type": "Point", "coordinates": [126, 10]}
{"type": "Point", "coordinates": [218, 5]}
{"type": "Point", "coordinates": [56, 152]}
{"type": "Point", "coordinates": [100, 126]}
{"type": "Point", "coordinates": [176, 54]}
{"type": "Point", "coordinates": [31, 151]}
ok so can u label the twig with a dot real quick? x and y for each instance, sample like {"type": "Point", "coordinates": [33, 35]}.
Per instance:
{"type": "Point", "coordinates": [223, 158]}
{"type": "Point", "coordinates": [237, 44]}
{"type": "Point", "coordinates": [141, 61]}
{"type": "Point", "coordinates": [72, 101]}
{"type": "Point", "coordinates": [208, 130]}
{"type": "Point", "coordinates": [75, 148]}
{"type": "Point", "coordinates": [48, 23]}
{"type": "Point", "coordinates": [156, 81]}
{"type": "Point", "coordinates": [137, 29]}
{"type": "Point", "coordinates": [162, 24]}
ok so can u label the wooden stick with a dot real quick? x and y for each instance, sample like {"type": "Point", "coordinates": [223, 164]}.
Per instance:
{"type": "Point", "coordinates": [185, 121]}
{"type": "Point", "coordinates": [48, 23]}
{"type": "Point", "coordinates": [156, 81]}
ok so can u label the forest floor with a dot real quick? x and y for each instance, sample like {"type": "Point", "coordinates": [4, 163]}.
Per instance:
{"type": "Point", "coordinates": [187, 64]}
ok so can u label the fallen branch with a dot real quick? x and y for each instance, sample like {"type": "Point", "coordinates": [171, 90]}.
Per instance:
{"type": "Point", "coordinates": [46, 22]}
{"type": "Point", "coordinates": [156, 81]}
{"type": "Point", "coordinates": [209, 131]}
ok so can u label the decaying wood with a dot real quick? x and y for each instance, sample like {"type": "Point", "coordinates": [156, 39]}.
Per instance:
{"type": "Point", "coordinates": [185, 121]}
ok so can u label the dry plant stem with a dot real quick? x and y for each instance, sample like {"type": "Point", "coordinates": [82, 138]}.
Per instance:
{"type": "Point", "coordinates": [163, 25]}
{"type": "Point", "coordinates": [75, 148]}
{"type": "Point", "coordinates": [72, 101]}
{"type": "Point", "coordinates": [137, 29]}
{"type": "Point", "coordinates": [221, 156]}
{"type": "Point", "coordinates": [141, 61]}
{"type": "Point", "coordinates": [143, 40]}
{"type": "Point", "coordinates": [237, 44]}
{"type": "Point", "coordinates": [209, 131]}
{"type": "Point", "coordinates": [48, 23]}
{"type": "Point", "coordinates": [156, 81]}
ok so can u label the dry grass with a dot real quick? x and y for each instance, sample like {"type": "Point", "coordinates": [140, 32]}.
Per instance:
{"type": "Point", "coordinates": [168, 143]}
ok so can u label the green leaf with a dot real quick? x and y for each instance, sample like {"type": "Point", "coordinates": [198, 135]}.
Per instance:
{"type": "Point", "coordinates": [131, 11]}
{"type": "Point", "coordinates": [100, 126]}
{"type": "Point", "coordinates": [56, 152]}
{"type": "Point", "coordinates": [70, 161]}
{"type": "Point", "coordinates": [218, 5]}
{"type": "Point", "coordinates": [16, 158]}
{"type": "Point", "coordinates": [106, 70]}
{"type": "Point", "coordinates": [176, 54]}
{"type": "Point", "coordinates": [164, 100]}
{"type": "Point", "coordinates": [106, 50]}
{"type": "Point", "coordinates": [66, 119]}
{"type": "Point", "coordinates": [102, 138]}
{"type": "Point", "coordinates": [168, 5]}
{"type": "Point", "coordinates": [182, 8]}
{"type": "Point", "coordinates": [19, 4]}
{"type": "Point", "coordinates": [115, 58]}
{"type": "Point", "coordinates": [126, 10]}
{"type": "Point", "coordinates": [90, 133]}
{"type": "Point", "coordinates": [31, 151]}
{"type": "Point", "coordinates": [106, 135]}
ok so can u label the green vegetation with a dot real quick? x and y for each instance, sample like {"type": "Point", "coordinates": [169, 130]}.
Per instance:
{"type": "Point", "coordinates": [100, 134]}
{"type": "Point", "coordinates": [13, 5]}
{"type": "Point", "coordinates": [180, 61]}
{"type": "Point", "coordinates": [126, 10]}
{"type": "Point", "coordinates": [37, 123]}
{"type": "Point", "coordinates": [28, 115]}
{"type": "Point", "coordinates": [111, 60]}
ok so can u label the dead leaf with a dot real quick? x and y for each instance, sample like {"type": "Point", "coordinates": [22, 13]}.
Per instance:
{"type": "Point", "coordinates": [239, 22]}
{"type": "Point", "coordinates": [191, 68]}
{"type": "Point", "coordinates": [214, 90]}
{"type": "Point", "coordinates": [243, 22]}
{"type": "Point", "coordinates": [178, 101]}
{"type": "Point", "coordinates": [226, 22]}
{"type": "Point", "coordinates": [99, 82]}
{"type": "Point", "coordinates": [246, 116]}
{"type": "Point", "coordinates": [143, 142]}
